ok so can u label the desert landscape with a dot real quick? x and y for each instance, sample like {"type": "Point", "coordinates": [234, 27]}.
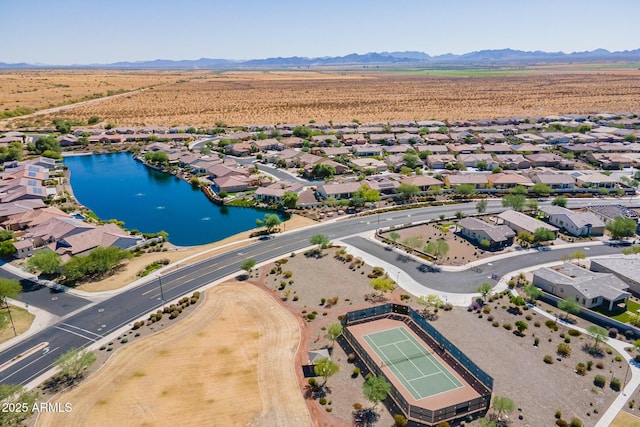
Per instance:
{"type": "Point", "coordinates": [252, 341]}
{"type": "Point", "coordinates": [236, 98]}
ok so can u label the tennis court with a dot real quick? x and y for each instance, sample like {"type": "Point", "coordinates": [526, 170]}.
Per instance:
{"type": "Point", "coordinates": [412, 363]}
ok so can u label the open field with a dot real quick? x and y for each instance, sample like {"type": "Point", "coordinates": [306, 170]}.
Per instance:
{"type": "Point", "coordinates": [228, 363]}
{"type": "Point", "coordinates": [263, 97]}
{"type": "Point", "coordinates": [49, 88]}
{"type": "Point", "coordinates": [22, 319]}
{"type": "Point", "coordinates": [625, 419]}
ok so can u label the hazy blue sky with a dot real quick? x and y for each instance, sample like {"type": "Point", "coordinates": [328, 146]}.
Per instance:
{"type": "Point", "coordinates": [99, 31]}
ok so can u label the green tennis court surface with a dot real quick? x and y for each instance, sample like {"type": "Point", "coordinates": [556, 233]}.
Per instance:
{"type": "Point", "coordinates": [410, 361]}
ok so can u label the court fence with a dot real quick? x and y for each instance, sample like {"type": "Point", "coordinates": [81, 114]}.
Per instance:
{"type": "Point", "coordinates": [479, 380]}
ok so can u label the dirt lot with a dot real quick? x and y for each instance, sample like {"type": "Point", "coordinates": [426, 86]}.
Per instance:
{"type": "Point", "coordinates": [230, 361]}
{"type": "Point", "coordinates": [204, 98]}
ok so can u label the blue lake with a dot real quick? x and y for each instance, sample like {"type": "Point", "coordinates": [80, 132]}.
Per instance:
{"type": "Point", "coordinates": [115, 186]}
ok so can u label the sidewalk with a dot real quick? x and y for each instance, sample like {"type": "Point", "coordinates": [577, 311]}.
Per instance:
{"type": "Point", "coordinates": [42, 320]}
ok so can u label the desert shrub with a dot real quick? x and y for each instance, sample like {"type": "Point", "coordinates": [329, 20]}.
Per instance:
{"type": "Point", "coordinates": [310, 316]}
{"type": "Point", "coordinates": [562, 423]}
{"type": "Point", "coordinates": [608, 350]}
{"type": "Point", "coordinates": [613, 333]}
{"type": "Point", "coordinates": [567, 340]}
{"type": "Point", "coordinates": [600, 365]}
{"type": "Point", "coordinates": [528, 317]}
{"type": "Point", "coordinates": [589, 365]}
{"type": "Point", "coordinates": [356, 372]}
{"type": "Point", "coordinates": [486, 309]}
{"type": "Point", "coordinates": [507, 326]}
{"type": "Point", "coordinates": [193, 300]}
{"type": "Point", "coordinates": [490, 318]}
{"type": "Point", "coordinates": [558, 415]}
{"type": "Point", "coordinates": [575, 422]}
{"type": "Point", "coordinates": [287, 274]}
{"type": "Point", "coordinates": [551, 325]}
{"type": "Point", "coordinates": [618, 358]}
{"type": "Point", "coordinates": [404, 297]}
{"type": "Point", "coordinates": [282, 261]}
{"type": "Point", "coordinates": [536, 341]}
{"type": "Point", "coordinates": [322, 401]}
{"type": "Point", "coordinates": [564, 350]}
{"type": "Point", "coordinates": [328, 409]}
{"type": "Point", "coordinates": [599, 381]}
{"type": "Point", "coordinates": [174, 314]}
{"type": "Point", "coordinates": [574, 332]}
{"type": "Point", "coordinates": [495, 324]}
{"type": "Point", "coordinates": [357, 406]}
{"type": "Point", "coordinates": [313, 382]}
{"type": "Point", "coordinates": [536, 324]}
{"type": "Point", "coordinates": [548, 359]}
{"type": "Point", "coordinates": [124, 340]}
{"type": "Point", "coordinates": [351, 357]}
{"type": "Point", "coordinates": [615, 384]}
{"type": "Point", "coordinates": [581, 369]}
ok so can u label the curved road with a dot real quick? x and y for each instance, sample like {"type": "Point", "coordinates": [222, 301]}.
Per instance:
{"type": "Point", "coordinates": [91, 322]}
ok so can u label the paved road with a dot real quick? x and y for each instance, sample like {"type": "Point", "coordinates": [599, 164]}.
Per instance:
{"type": "Point", "coordinates": [467, 281]}
{"type": "Point", "coordinates": [90, 325]}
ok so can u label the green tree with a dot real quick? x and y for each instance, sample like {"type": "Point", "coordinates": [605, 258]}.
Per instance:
{"type": "Point", "coordinates": [621, 227]}
{"type": "Point", "coordinates": [73, 364]}
{"type": "Point", "coordinates": [46, 261]}
{"type": "Point", "coordinates": [543, 235]}
{"type": "Point", "coordinates": [519, 189]}
{"type": "Point", "coordinates": [400, 420]}
{"type": "Point", "coordinates": [302, 132]}
{"type": "Point", "coordinates": [540, 189]}
{"type": "Point", "coordinates": [52, 154]}
{"type": "Point", "coordinates": [522, 326]}
{"type": "Point", "coordinates": [334, 330]}
{"type": "Point", "coordinates": [383, 283]}
{"type": "Point", "coordinates": [62, 126]}
{"type": "Point", "coordinates": [598, 335]}
{"type": "Point", "coordinates": [407, 191]}
{"type": "Point", "coordinates": [411, 160]}
{"type": "Point", "coordinates": [484, 290]}
{"type": "Point", "coordinates": [394, 236]}
{"type": "Point", "coordinates": [503, 406]}
{"type": "Point", "coordinates": [430, 302]}
{"type": "Point", "coordinates": [482, 165]}
{"type": "Point", "coordinates": [322, 170]}
{"type": "Point", "coordinates": [93, 120]}
{"type": "Point", "coordinates": [320, 240]}
{"type": "Point", "coordinates": [438, 248]}
{"type": "Point", "coordinates": [157, 157]}
{"type": "Point", "coordinates": [12, 396]}
{"type": "Point", "coordinates": [367, 194]}
{"type": "Point", "coordinates": [481, 206]}
{"type": "Point", "coordinates": [569, 306]}
{"type": "Point", "coordinates": [465, 189]}
{"type": "Point", "coordinates": [248, 264]}
{"type": "Point", "coordinates": [270, 222]}
{"type": "Point", "coordinates": [289, 199]}
{"type": "Point", "coordinates": [559, 201]}
{"type": "Point", "coordinates": [514, 201]}
{"type": "Point", "coordinates": [525, 236]}
{"type": "Point", "coordinates": [325, 368]}
{"type": "Point", "coordinates": [376, 389]}
{"type": "Point", "coordinates": [532, 205]}
{"type": "Point", "coordinates": [45, 143]}
{"type": "Point", "coordinates": [533, 292]}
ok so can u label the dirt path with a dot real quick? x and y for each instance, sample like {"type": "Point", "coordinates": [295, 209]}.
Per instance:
{"type": "Point", "coordinates": [231, 361]}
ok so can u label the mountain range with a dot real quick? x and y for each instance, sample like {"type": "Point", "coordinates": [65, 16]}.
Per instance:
{"type": "Point", "coordinates": [498, 57]}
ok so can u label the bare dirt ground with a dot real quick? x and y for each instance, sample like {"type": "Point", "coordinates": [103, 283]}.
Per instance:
{"type": "Point", "coordinates": [203, 99]}
{"type": "Point", "coordinates": [129, 273]}
{"type": "Point", "coordinates": [228, 363]}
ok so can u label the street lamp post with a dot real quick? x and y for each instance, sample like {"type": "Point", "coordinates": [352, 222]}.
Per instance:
{"type": "Point", "coordinates": [161, 292]}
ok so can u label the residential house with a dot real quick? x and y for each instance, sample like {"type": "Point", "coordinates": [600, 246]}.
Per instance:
{"type": "Point", "coordinates": [268, 144]}
{"type": "Point", "coordinates": [234, 183]}
{"type": "Point", "coordinates": [507, 180]}
{"type": "Point", "coordinates": [479, 181]}
{"type": "Point", "coordinates": [557, 181]}
{"type": "Point", "coordinates": [408, 138]}
{"type": "Point", "coordinates": [437, 138]}
{"type": "Point", "coordinates": [596, 180]}
{"type": "Point", "coordinates": [440, 161]}
{"type": "Point", "coordinates": [240, 149]}
{"type": "Point", "coordinates": [575, 223]}
{"type": "Point", "coordinates": [478, 231]}
{"type": "Point", "coordinates": [549, 160]}
{"type": "Point", "coordinates": [463, 148]}
{"type": "Point", "coordinates": [530, 138]}
{"type": "Point", "coordinates": [32, 218]}
{"type": "Point", "coordinates": [491, 137]}
{"type": "Point", "coordinates": [555, 138]}
{"type": "Point", "coordinates": [587, 288]}
{"type": "Point", "coordinates": [431, 148]}
{"type": "Point", "coordinates": [324, 140]}
{"type": "Point", "coordinates": [611, 212]}
{"type": "Point", "coordinates": [369, 163]}
{"type": "Point", "coordinates": [625, 267]}
{"type": "Point", "coordinates": [368, 150]}
{"type": "Point", "coordinates": [610, 160]}
{"type": "Point", "coordinates": [424, 182]}
{"type": "Point", "coordinates": [528, 148]}
{"type": "Point", "coordinates": [354, 139]}
{"type": "Point", "coordinates": [339, 167]}
{"type": "Point", "coordinates": [272, 194]}
{"type": "Point", "coordinates": [292, 142]}
{"type": "Point", "coordinates": [382, 138]}
{"type": "Point", "coordinates": [472, 160]}
{"type": "Point", "coordinates": [512, 161]}
{"type": "Point", "coordinates": [518, 222]}
{"type": "Point", "coordinates": [105, 139]}
{"type": "Point", "coordinates": [497, 148]}
{"type": "Point", "coordinates": [382, 184]}
{"type": "Point", "coordinates": [339, 190]}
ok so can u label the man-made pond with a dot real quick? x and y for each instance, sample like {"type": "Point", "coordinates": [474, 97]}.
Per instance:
{"type": "Point", "coordinates": [115, 186]}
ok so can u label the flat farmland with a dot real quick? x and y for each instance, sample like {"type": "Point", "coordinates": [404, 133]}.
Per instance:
{"type": "Point", "coordinates": [268, 97]}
